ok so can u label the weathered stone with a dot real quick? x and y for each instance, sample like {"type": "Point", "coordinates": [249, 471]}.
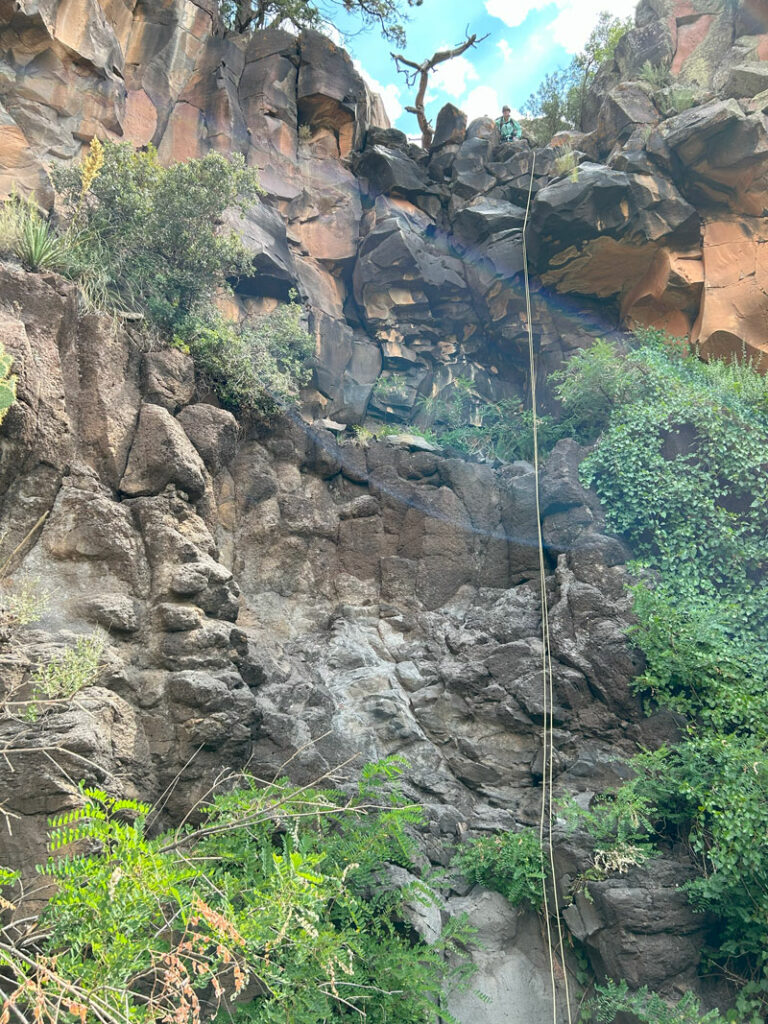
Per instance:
{"type": "Point", "coordinates": [450, 127]}
{"type": "Point", "coordinates": [162, 454]}
{"type": "Point", "coordinates": [390, 172]}
{"type": "Point", "coordinates": [745, 80]}
{"type": "Point", "coordinates": [213, 432]}
{"type": "Point", "coordinates": [168, 378]}
{"type": "Point", "coordinates": [413, 442]}
{"type": "Point", "coordinates": [625, 107]}
{"type": "Point", "coordinates": [113, 612]}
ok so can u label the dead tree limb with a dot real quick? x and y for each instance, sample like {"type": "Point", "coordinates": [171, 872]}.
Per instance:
{"type": "Point", "coordinates": [420, 72]}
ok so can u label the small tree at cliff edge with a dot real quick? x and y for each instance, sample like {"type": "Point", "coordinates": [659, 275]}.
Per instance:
{"type": "Point", "coordinates": [253, 15]}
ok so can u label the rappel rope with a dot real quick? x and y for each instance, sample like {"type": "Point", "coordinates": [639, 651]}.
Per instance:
{"type": "Point", "coordinates": [548, 743]}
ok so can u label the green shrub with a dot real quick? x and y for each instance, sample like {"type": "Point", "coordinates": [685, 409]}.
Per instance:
{"type": "Point", "coordinates": [254, 367]}
{"type": "Point", "coordinates": [155, 230]}
{"type": "Point", "coordinates": [38, 247]}
{"type": "Point", "coordinates": [149, 239]}
{"type": "Point", "coordinates": [273, 907]}
{"type": "Point", "coordinates": [593, 383]}
{"type": "Point", "coordinates": [509, 863]}
{"type": "Point", "coordinates": [680, 469]}
{"type": "Point", "coordinates": [646, 1007]}
{"type": "Point", "coordinates": [22, 601]}
{"type": "Point", "coordinates": [656, 75]}
{"type": "Point", "coordinates": [679, 98]}
{"type": "Point", "coordinates": [7, 383]}
{"type": "Point", "coordinates": [29, 237]}
{"type": "Point", "coordinates": [64, 675]}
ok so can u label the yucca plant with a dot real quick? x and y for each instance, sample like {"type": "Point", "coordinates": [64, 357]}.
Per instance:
{"type": "Point", "coordinates": [38, 246]}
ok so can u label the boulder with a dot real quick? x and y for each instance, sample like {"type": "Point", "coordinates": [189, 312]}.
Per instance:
{"type": "Point", "coordinates": [724, 152]}
{"type": "Point", "coordinates": [627, 106]}
{"type": "Point", "coordinates": [511, 957]}
{"type": "Point", "coordinates": [390, 172]}
{"type": "Point", "coordinates": [613, 233]}
{"type": "Point", "coordinates": [347, 365]}
{"type": "Point", "coordinates": [468, 171]}
{"type": "Point", "coordinates": [485, 217]}
{"type": "Point", "coordinates": [406, 274]}
{"type": "Point", "coordinates": [168, 378]}
{"type": "Point", "coordinates": [450, 127]}
{"type": "Point", "coordinates": [213, 432]}
{"type": "Point", "coordinates": [746, 79]}
{"type": "Point", "coordinates": [162, 454]}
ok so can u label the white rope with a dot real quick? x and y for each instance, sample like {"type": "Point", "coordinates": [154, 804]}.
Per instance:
{"type": "Point", "coordinates": [548, 743]}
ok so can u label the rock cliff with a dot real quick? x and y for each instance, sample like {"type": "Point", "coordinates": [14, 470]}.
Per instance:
{"type": "Point", "coordinates": [289, 595]}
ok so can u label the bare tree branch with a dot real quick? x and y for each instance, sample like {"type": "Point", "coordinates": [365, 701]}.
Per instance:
{"type": "Point", "coordinates": [421, 72]}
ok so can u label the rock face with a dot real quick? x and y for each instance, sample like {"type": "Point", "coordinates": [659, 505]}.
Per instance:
{"type": "Point", "coordinates": [289, 596]}
{"type": "Point", "coordinates": [410, 263]}
{"type": "Point", "coordinates": [292, 595]}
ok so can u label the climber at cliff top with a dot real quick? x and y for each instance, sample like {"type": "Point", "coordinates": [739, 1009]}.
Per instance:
{"type": "Point", "coordinates": [507, 127]}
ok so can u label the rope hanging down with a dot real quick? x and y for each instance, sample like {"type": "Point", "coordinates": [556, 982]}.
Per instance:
{"type": "Point", "coordinates": [548, 744]}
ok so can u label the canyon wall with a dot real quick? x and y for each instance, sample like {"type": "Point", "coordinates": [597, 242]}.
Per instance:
{"type": "Point", "coordinates": [289, 595]}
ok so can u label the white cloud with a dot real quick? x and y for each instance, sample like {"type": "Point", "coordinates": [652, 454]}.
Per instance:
{"type": "Point", "coordinates": [514, 12]}
{"type": "Point", "coordinates": [453, 77]}
{"type": "Point", "coordinates": [506, 49]}
{"type": "Point", "coordinates": [577, 18]}
{"type": "Point", "coordinates": [574, 19]}
{"type": "Point", "coordinates": [390, 94]}
{"type": "Point", "coordinates": [484, 99]}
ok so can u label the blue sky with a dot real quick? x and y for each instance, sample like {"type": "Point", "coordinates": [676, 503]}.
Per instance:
{"type": "Point", "coordinates": [527, 38]}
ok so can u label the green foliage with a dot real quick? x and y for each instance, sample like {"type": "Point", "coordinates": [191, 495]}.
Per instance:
{"type": "Point", "coordinates": [391, 388]}
{"type": "Point", "coordinates": [509, 863]}
{"type": "Point", "coordinates": [463, 420]}
{"type": "Point", "coordinates": [7, 383]}
{"type": "Point", "coordinates": [253, 15]}
{"type": "Point", "coordinates": [29, 237]}
{"type": "Point", "coordinates": [275, 907]}
{"type": "Point", "coordinates": [646, 1007]}
{"type": "Point", "coordinates": [150, 240]}
{"type": "Point", "coordinates": [593, 383]}
{"type": "Point", "coordinates": [22, 601]}
{"type": "Point", "coordinates": [65, 675]}
{"type": "Point", "coordinates": [155, 230]}
{"type": "Point", "coordinates": [558, 103]}
{"type": "Point", "coordinates": [548, 106]}
{"type": "Point", "coordinates": [680, 469]}
{"type": "Point", "coordinates": [677, 99]}
{"type": "Point", "coordinates": [656, 75]}
{"type": "Point", "coordinates": [254, 367]}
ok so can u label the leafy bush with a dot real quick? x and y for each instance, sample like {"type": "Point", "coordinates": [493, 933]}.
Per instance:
{"type": "Point", "coordinates": [680, 469]}
{"type": "Point", "coordinates": [509, 863]}
{"type": "Point", "coordinates": [149, 239]}
{"type": "Point", "coordinates": [22, 601]}
{"type": "Point", "coordinates": [255, 366]}
{"type": "Point", "coordinates": [64, 675]}
{"type": "Point", "coordinates": [656, 75]}
{"type": "Point", "coordinates": [463, 420]}
{"type": "Point", "coordinates": [67, 673]}
{"type": "Point", "coordinates": [593, 383]}
{"type": "Point", "coordinates": [646, 1007]}
{"type": "Point", "coordinates": [155, 230]}
{"type": "Point", "coordinates": [274, 902]}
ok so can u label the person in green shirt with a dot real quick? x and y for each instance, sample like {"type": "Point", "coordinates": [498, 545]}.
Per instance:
{"type": "Point", "coordinates": [507, 127]}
